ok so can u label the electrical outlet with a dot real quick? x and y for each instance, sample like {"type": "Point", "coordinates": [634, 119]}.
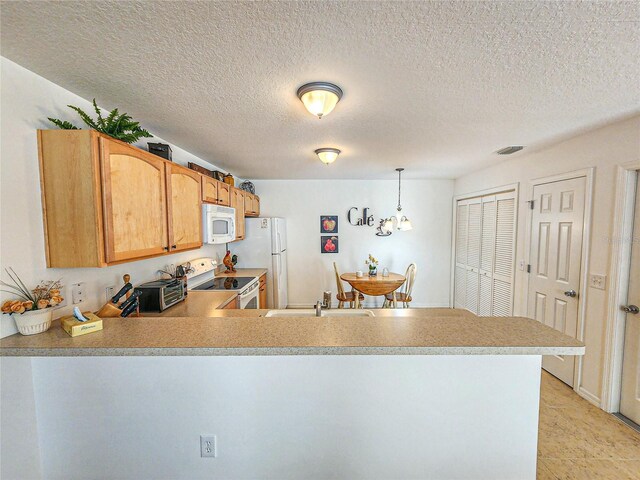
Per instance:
{"type": "Point", "coordinates": [598, 281]}
{"type": "Point", "coordinates": [110, 291]}
{"type": "Point", "coordinates": [77, 293]}
{"type": "Point", "coordinates": [207, 446]}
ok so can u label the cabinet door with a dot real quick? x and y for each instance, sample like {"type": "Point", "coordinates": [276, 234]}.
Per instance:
{"type": "Point", "coordinates": [256, 205]}
{"type": "Point", "coordinates": [263, 291]}
{"type": "Point", "coordinates": [209, 190]}
{"type": "Point", "coordinates": [248, 203]}
{"type": "Point", "coordinates": [224, 195]}
{"type": "Point", "coordinates": [134, 202]}
{"type": "Point", "coordinates": [184, 192]}
{"type": "Point", "coordinates": [235, 303]}
{"type": "Point", "coordinates": [237, 202]}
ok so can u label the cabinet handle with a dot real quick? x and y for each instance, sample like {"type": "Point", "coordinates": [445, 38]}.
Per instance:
{"type": "Point", "coordinates": [174, 246]}
{"type": "Point", "coordinates": [165, 248]}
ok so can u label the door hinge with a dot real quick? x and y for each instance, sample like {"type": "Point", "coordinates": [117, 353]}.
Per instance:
{"type": "Point", "coordinates": [528, 268]}
{"type": "Point", "coordinates": [530, 202]}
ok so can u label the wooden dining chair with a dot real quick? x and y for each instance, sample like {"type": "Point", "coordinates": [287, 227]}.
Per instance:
{"type": "Point", "coordinates": [404, 295]}
{"type": "Point", "coordinates": [343, 296]}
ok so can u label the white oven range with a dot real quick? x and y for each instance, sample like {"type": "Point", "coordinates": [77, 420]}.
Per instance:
{"type": "Point", "coordinates": [201, 277]}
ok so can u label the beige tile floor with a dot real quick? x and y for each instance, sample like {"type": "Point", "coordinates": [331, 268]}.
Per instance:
{"type": "Point", "coordinates": [578, 441]}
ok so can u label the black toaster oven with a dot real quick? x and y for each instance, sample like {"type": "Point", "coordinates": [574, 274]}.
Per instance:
{"type": "Point", "coordinates": [159, 295]}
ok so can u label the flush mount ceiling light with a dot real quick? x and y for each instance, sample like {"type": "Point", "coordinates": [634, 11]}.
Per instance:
{"type": "Point", "coordinates": [398, 221]}
{"type": "Point", "coordinates": [319, 98]}
{"type": "Point", "coordinates": [327, 155]}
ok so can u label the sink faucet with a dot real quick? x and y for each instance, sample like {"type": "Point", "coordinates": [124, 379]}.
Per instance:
{"type": "Point", "coordinates": [318, 309]}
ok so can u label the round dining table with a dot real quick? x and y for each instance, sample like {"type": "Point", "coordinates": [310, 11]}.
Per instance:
{"type": "Point", "coordinates": [374, 285]}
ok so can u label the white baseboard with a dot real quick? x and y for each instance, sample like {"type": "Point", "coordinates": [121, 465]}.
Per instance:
{"type": "Point", "coordinates": [590, 397]}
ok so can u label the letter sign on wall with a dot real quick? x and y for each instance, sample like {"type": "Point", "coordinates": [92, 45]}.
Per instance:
{"type": "Point", "coordinates": [364, 220]}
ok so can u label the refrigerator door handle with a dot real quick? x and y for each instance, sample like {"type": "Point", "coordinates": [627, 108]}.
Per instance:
{"type": "Point", "coordinates": [276, 281]}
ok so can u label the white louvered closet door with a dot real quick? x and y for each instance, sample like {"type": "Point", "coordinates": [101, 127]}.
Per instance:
{"type": "Point", "coordinates": [460, 274]}
{"type": "Point", "coordinates": [487, 249]}
{"type": "Point", "coordinates": [485, 239]}
{"type": "Point", "coordinates": [474, 235]}
{"type": "Point", "coordinates": [504, 263]}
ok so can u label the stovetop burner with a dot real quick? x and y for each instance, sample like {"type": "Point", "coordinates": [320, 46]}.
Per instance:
{"type": "Point", "coordinates": [225, 283]}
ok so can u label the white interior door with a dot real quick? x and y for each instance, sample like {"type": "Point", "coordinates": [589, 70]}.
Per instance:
{"type": "Point", "coordinates": [484, 254]}
{"type": "Point", "coordinates": [556, 253]}
{"type": "Point", "coordinates": [460, 275]}
{"type": "Point", "coordinates": [487, 251]}
{"type": "Point", "coordinates": [474, 234]}
{"type": "Point", "coordinates": [630, 397]}
{"type": "Point", "coordinates": [504, 256]}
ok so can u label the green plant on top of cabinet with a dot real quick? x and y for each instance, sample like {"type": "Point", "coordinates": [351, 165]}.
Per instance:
{"type": "Point", "coordinates": [106, 202]}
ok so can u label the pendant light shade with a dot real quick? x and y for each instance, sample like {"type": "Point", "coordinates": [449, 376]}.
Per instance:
{"type": "Point", "coordinates": [320, 98]}
{"type": "Point", "coordinates": [327, 155]}
{"type": "Point", "coordinates": [405, 224]}
{"type": "Point", "coordinates": [398, 221]}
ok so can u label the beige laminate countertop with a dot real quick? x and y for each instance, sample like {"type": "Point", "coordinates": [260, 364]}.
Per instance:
{"type": "Point", "coordinates": [197, 304]}
{"type": "Point", "coordinates": [244, 272]}
{"type": "Point", "coordinates": [244, 332]}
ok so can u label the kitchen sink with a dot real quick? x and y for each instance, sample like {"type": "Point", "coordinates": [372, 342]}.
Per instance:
{"type": "Point", "coordinates": [325, 313]}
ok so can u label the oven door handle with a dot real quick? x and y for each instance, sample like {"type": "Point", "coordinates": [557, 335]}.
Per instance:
{"type": "Point", "coordinates": [250, 290]}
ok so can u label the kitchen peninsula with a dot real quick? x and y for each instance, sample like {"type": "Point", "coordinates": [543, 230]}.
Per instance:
{"type": "Point", "coordinates": [389, 396]}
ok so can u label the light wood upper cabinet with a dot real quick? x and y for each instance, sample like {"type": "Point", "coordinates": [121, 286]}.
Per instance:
{"type": "Point", "coordinates": [184, 187]}
{"type": "Point", "coordinates": [237, 202]}
{"type": "Point", "coordinates": [134, 202]}
{"type": "Point", "coordinates": [209, 190]}
{"type": "Point", "coordinates": [216, 192]}
{"type": "Point", "coordinates": [251, 204]}
{"type": "Point", "coordinates": [248, 203]}
{"type": "Point", "coordinates": [71, 198]}
{"type": "Point", "coordinates": [106, 202]}
{"type": "Point", "coordinates": [224, 194]}
{"type": "Point", "coordinates": [256, 206]}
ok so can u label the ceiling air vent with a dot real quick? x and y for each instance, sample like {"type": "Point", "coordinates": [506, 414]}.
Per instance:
{"type": "Point", "coordinates": [509, 150]}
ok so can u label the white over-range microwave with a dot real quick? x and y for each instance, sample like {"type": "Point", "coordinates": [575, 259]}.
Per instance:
{"type": "Point", "coordinates": [218, 224]}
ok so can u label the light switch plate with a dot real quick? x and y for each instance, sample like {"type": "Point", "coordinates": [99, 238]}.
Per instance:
{"type": "Point", "coordinates": [598, 281]}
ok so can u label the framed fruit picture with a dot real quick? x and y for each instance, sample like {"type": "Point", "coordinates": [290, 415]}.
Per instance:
{"type": "Point", "coordinates": [328, 224]}
{"type": "Point", "coordinates": [328, 244]}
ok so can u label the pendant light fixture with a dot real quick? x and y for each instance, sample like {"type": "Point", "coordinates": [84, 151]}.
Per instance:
{"type": "Point", "coordinates": [320, 98]}
{"type": "Point", "coordinates": [327, 155]}
{"type": "Point", "coordinates": [398, 221]}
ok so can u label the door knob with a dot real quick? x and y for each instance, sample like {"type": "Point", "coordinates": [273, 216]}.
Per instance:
{"type": "Point", "coordinates": [632, 309]}
{"type": "Point", "coordinates": [571, 293]}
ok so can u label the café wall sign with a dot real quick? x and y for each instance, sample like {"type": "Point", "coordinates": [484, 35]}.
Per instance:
{"type": "Point", "coordinates": [364, 219]}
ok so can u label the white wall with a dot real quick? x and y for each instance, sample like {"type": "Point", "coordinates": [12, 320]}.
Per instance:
{"type": "Point", "coordinates": [427, 203]}
{"type": "Point", "coordinates": [289, 417]}
{"type": "Point", "coordinates": [26, 101]}
{"type": "Point", "coordinates": [604, 149]}
{"type": "Point", "coordinates": [20, 443]}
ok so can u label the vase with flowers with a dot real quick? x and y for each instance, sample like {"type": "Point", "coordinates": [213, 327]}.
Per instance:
{"type": "Point", "coordinates": [373, 265]}
{"type": "Point", "coordinates": [32, 310]}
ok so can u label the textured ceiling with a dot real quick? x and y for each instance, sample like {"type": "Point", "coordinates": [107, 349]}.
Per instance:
{"type": "Point", "coordinates": [435, 87]}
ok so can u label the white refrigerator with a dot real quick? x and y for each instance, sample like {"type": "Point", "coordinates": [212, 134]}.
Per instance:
{"type": "Point", "coordinates": [265, 246]}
